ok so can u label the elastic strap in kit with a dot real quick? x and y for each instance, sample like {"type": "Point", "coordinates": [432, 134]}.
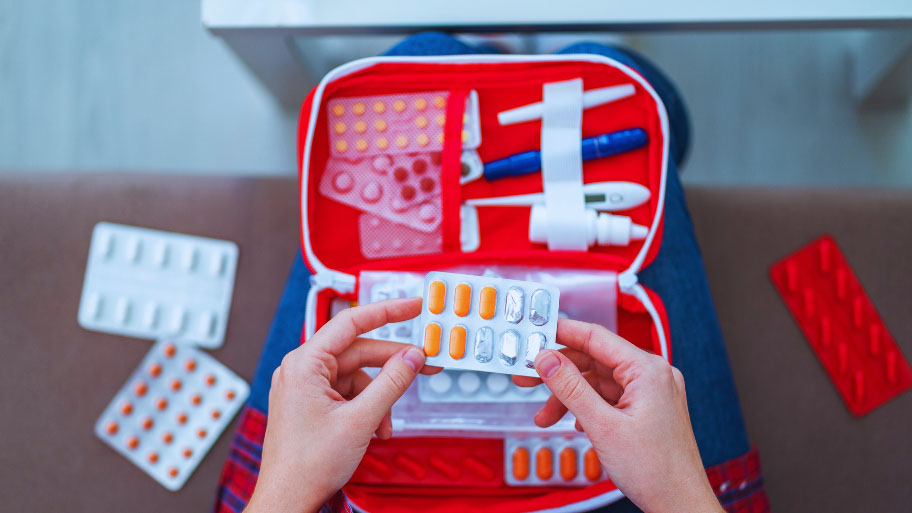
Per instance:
{"type": "Point", "coordinates": [562, 165]}
{"type": "Point", "coordinates": [449, 174]}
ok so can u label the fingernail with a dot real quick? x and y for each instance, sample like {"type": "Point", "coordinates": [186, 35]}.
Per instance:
{"type": "Point", "coordinates": [548, 364]}
{"type": "Point", "coordinates": [414, 358]}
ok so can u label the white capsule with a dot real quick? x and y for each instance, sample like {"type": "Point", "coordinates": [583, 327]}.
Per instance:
{"type": "Point", "coordinates": [105, 245]}
{"type": "Point", "coordinates": [484, 344]}
{"type": "Point", "coordinates": [441, 382]}
{"type": "Point", "coordinates": [539, 307]}
{"type": "Point", "coordinates": [189, 259]}
{"type": "Point", "coordinates": [219, 262]}
{"type": "Point", "coordinates": [160, 254]}
{"type": "Point", "coordinates": [93, 306]}
{"type": "Point", "coordinates": [178, 318]}
{"type": "Point", "coordinates": [535, 342]}
{"type": "Point", "coordinates": [513, 305]}
{"type": "Point", "coordinates": [150, 315]}
{"type": "Point", "coordinates": [207, 324]}
{"type": "Point", "coordinates": [469, 382]}
{"type": "Point", "coordinates": [497, 383]}
{"type": "Point", "coordinates": [509, 347]}
{"type": "Point", "coordinates": [122, 310]}
{"type": "Point", "coordinates": [132, 250]}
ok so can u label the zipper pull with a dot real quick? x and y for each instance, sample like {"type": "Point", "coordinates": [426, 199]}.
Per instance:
{"type": "Point", "coordinates": [627, 280]}
{"type": "Point", "coordinates": [340, 282]}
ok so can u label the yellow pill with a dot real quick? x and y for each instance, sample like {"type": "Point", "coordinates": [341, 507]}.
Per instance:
{"type": "Point", "coordinates": [568, 464]}
{"type": "Point", "coordinates": [422, 139]}
{"type": "Point", "coordinates": [439, 102]}
{"type": "Point", "coordinates": [339, 127]}
{"type": "Point", "coordinates": [341, 146]}
{"type": "Point", "coordinates": [591, 466]}
{"type": "Point", "coordinates": [440, 137]}
{"type": "Point", "coordinates": [360, 127]}
{"type": "Point", "coordinates": [402, 141]}
{"type": "Point", "coordinates": [432, 339]}
{"type": "Point", "coordinates": [521, 463]}
{"type": "Point", "coordinates": [462, 300]}
{"type": "Point", "coordinates": [380, 125]}
{"type": "Point", "coordinates": [382, 143]}
{"type": "Point", "coordinates": [379, 107]}
{"type": "Point", "coordinates": [436, 296]}
{"type": "Point", "coordinates": [440, 119]}
{"type": "Point", "coordinates": [358, 108]}
{"type": "Point", "coordinates": [421, 121]}
{"type": "Point", "coordinates": [361, 145]}
{"type": "Point", "coordinates": [338, 110]}
{"type": "Point", "coordinates": [487, 300]}
{"type": "Point", "coordinates": [457, 342]}
{"type": "Point", "coordinates": [544, 464]}
{"type": "Point", "coordinates": [465, 135]}
{"type": "Point", "coordinates": [420, 104]}
{"type": "Point", "coordinates": [398, 105]}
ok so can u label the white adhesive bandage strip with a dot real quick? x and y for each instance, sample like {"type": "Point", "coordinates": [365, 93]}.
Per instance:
{"type": "Point", "coordinates": [562, 165]}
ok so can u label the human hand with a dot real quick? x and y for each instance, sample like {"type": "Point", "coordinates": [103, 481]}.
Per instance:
{"type": "Point", "coordinates": [632, 406]}
{"type": "Point", "coordinates": [323, 407]}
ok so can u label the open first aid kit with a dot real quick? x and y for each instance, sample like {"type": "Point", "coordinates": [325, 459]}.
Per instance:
{"type": "Point", "coordinates": [507, 191]}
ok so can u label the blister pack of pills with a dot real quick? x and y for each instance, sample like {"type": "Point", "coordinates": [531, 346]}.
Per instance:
{"type": "Point", "coordinates": [551, 461]}
{"type": "Point", "coordinates": [455, 386]}
{"type": "Point", "coordinates": [487, 324]}
{"type": "Point", "coordinates": [171, 411]}
{"type": "Point", "coordinates": [385, 239]}
{"type": "Point", "coordinates": [396, 123]}
{"type": "Point", "coordinates": [152, 284]}
{"type": "Point", "coordinates": [395, 331]}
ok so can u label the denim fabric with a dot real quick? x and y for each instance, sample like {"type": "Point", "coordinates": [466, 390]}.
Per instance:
{"type": "Point", "coordinates": [677, 275]}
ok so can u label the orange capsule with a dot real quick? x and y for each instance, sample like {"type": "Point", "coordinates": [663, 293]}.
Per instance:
{"type": "Point", "coordinates": [155, 370]}
{"type": "Point", "coordinates": [591, 466]}
{"type": "Point", "coordinates": [132, 442]}
{"type": "Point", "coordinates": [141, 389]}
{"type": "Point", "coordinates": [126, 408]}
{"type": "Point", "coordinates": [216, 414]}
{"type": "Point", "coordinates": [462, 302]}
{"type": "Point", "coordinates": [196, 399]}
{"type": "Point", "coordinates": [487, 300]}
{"type": "Point", "coordinates": [111, 428]}
{"type": "Point", "coordinates": [230, 395]}
{"type": "Point", "coordinates": [172, 471]}
{"type": "Point", "coordinates": [521, 463]}
{"type": "Point", "coordinates": [170, 350]}
{"type": "Point", "coordinates": [190, 365]}
{"type": "Point", "coordinates": [432, 339]}
{"type": "Point", "coordinates": [187, 452]}
{"type": "Point", "coordinates": [181, 418]}
{"type": "Point", "coordinates": [457, 342]}
{"type": "Point", "coordinates": [147, 423]}
{"type": "Point", "coordinates": [436, 296]}
{"type": "Point", "coordinates": [167, 437]}
{"type": "Point", "coordinates": [175, 384]}
{"type": "Point", "coordinates": [152, 457]}
{"type": "Point", "coordinates": [162, 403]}
{"type": "Point", "coordinates": [210, 379]}
{"type": "Point", "coordinates": [568, 464]}
{"type": "Point", "coordinates": [201, 433]}
{"type": "Point", "coordinates": [544, 464]}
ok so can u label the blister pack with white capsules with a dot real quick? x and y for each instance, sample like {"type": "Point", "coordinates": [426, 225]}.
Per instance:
{"type": "Point", "coordinates": [152, 284]}
{"type": "Point", "coordinates": [171, 411]}
{"type": "Point", "coordinates": [487, 324]}
{"type": "Point", "coordinates": [457, 386]}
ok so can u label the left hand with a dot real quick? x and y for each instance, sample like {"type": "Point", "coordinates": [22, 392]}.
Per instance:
{"type": "Point", "coordinates": [323, 407]}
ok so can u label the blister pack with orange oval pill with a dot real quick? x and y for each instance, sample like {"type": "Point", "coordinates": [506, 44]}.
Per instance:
{"type": "Point", "coordinates": [551, 461]}
{"type": "Point", "coordinates": [171, 411]}
{"type": "Point", "coordinates": [488, 324]}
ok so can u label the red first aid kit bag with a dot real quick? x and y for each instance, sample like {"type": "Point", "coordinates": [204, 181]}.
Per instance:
{"type": "Point", "coordinates": [395, 159]}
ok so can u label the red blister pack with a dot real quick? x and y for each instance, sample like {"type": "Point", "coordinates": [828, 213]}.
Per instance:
{"type": "Point", "coordinates": [842, 325]}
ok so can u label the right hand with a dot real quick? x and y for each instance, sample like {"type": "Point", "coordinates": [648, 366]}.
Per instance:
{"type": "Point", "coordinates": [632, 406]}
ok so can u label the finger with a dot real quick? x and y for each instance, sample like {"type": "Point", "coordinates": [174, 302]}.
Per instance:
{"type": "Point", "coordinates": [352, 384]}
{"type": "Point", "coordinates": [385, 429]}
{"type": "Point", "coordinates": [553, 410]}
{"type": "Point", "coordinates": [367, 352]}
{"type": "Point", "coordinates": [397, 374]}
{"type": "Point", "coordinates": [571, 388]}
{"type": "Point", "coordinates": [339, 333]}
{"type": "Point", "coordinates": [430, 370]}
{"type": "Point", "coordinates": [599, 343]}
{"type": "Point", "coordinates": [582, 361]}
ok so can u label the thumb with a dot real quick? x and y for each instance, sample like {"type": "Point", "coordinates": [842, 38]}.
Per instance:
{"type": "Point", "coordinates": [394, 378]}
{"type": "Point", "coordinates": [569, 386]}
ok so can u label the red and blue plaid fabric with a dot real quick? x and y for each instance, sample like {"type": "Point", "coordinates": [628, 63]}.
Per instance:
{"type": "Point", "coordinates": [738, 483]}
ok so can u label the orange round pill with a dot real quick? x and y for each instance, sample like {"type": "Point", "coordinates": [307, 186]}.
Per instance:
{"type": "Point", "coordinates": [568, 464]}
{"type": "Point", "coordinates": [462, 300]}
{"type": "Point", "coordinates": [591, 466]}
{"type": "Point", "coordinates": [358, 108]}
{"type": "Point", "coordinates": [230, 395]}
{"type": "Point", "coordinates": [440, 120]}
{"type": "Point", "coordinates": [167, 437]}
{"type": "Point", "coordinates": [201, 433]}
{"type": "Point", "coordinates": [111, 428]}
{"type": "Point", "coordinates": [147, 423]}
{"type": "Point", "coordinates": [155, 370]}
{"type": "Point", "coordinates": [175, 384]}
{"type": "Point", "coordinates": [132, 442]}
{"type": "Point", "coordinates": [544, 464]}
{"type": "Point", "coordinates": [172, 471]}
{"type": "Point", "coordinates": [181, 418]}
{"type": "Point", "coordinates": [126, 408]}
{"type": "Point", "coordinates": [162, 403]}
{"type": "Point", "coordinates": [436, 296]}
{"type": "Point", "coordinates": [439, 102]}
{"type": "Point", "coordinates": [210, 379]}
{"type": "Point", "coordinates": [421, 104]}
{"type": "Point", "coordinates": [141, 389]}
{"type": "Point", "coordinates": [190, 365]}
{"type": "Point", "coordinates": [521, 463]}
{"type": "Point", "coordinates": [187, 452]}
{"type": "Point", "coordinates": [196, 399]}
{"type": "Point", "coordinates": [170, 350]}
{"type": "Point", "coordinates": [487, 301]}
{"type": "Point", "coordinates": [379, 107]}
{"type": "Point", "coordinates": [432, 339]}
{"type": "Point", "coordinates": [152, 457]}
{"type": "Point", "coordinates": [457, 342]}
{"type": "Point", "coordinates": [216, 414]}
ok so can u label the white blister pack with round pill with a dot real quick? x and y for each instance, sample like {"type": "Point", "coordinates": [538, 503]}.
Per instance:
{"type": "Point", "coordinates": [457, 386]}
{"type": "Point", "coordinates": [487, 324]}
{"type": "Point", "coordinates": [551, 461]}
{"type": "Point", "coordinates": [171, 411]}
{"type": "Point", "coordinates": [152, 284]}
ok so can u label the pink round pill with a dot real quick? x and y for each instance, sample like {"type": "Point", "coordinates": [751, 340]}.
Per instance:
{"type": "Point", "coordinates": [343, 182]}
{"type": "Point", "coordinates": [374, 222]}
{"type": "Point", "coordinates": [400, 174]}
{"type": "Point", "coordinates": [398, 205]}
{"type": "Point", "coordinates": [371, 192]}
{"type": "Point", "coordinates": [426, 183]}
{"type": "Point", "coordinates": [427, 213]}
{"type": "Point", "coordinates": [407, 192]}
{"type": "Point", "coordinates": [397, 244]}
{"type": "Point", "coordinates": [381, 163]}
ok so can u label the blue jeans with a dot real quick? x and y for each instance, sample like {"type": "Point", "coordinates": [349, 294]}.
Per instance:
{"type": "Point", "coordinates": [677, 275]}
